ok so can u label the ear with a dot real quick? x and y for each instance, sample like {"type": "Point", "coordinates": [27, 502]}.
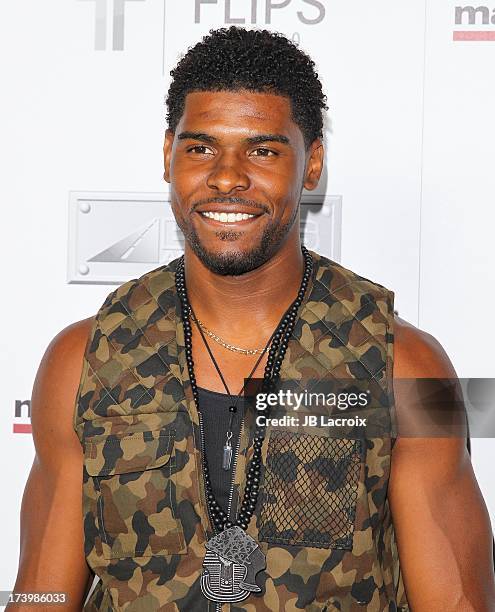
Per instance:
{"type": "Point", "coordinates": [314, 165]}
{"type": "Point", "coordinates": [167, 154]}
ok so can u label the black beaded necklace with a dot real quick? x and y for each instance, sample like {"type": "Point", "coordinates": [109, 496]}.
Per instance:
{"type": "Point", "coordinates": [233, 558]}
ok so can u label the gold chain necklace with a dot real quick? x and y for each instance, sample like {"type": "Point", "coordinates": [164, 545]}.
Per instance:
{"type": "Point", "coordinates": [230, 347]}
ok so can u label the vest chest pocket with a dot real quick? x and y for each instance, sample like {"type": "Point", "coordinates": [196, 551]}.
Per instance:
{"type": "Point", "coordinates": [309, 491]}
{"type": "Point", "coordinates": [135, 488]}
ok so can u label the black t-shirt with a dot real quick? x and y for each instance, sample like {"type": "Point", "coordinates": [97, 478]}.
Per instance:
{"type": "Point", "coordinates": [215, 416]}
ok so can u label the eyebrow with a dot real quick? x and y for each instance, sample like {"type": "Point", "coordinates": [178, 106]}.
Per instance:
{"type": "Point", "coordinates": [201, 136]}
{"type": "Point", "coordinates": [196, 136]}
{"type": "Point", "coordinates": [267, 138]}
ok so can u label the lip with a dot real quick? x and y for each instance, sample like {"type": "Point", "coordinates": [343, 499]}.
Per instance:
{"type": "Point", "coordinates": [220, 208]}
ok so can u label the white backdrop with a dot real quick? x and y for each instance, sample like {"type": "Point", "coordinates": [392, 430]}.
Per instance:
{"type": "Point", "coordinates": [410, 143]}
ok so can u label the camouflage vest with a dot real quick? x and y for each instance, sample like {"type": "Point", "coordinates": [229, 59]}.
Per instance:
{"type": "Point", "coordinates": [329, 540]}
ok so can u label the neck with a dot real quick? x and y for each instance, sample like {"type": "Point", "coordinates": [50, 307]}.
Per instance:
{"type": "Point", "coordinates": [246, 307]}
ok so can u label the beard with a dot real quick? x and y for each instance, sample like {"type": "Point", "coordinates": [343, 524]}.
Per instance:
{"type": "Point", "coordinates": [235, 263]}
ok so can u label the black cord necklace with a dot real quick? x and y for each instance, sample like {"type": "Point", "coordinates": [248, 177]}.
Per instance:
{"type": "Point", "coordinates": [233, 558]}
{"type": "Point", "coordinates": [227, 448]}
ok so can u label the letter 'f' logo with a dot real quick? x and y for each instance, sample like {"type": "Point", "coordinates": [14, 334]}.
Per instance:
{"type": "Point", "coordinates": [101, 18]}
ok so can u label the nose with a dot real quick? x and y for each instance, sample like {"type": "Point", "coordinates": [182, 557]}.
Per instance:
{"type": "Point", "coordinates": [228, 175]}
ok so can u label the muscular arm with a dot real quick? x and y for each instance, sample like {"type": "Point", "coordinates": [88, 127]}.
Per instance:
{"type": "Point", "coordinates": [442, 525]}
{"type": "Point", "coordinates": [52, 552]}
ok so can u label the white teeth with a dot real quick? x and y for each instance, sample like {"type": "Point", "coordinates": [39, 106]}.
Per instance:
{"type": "Point", "coordinates": [227, 217]}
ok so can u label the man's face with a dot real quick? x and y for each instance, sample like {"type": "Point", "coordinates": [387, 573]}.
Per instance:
{"type": "Point", "coordinates": [237, 165]}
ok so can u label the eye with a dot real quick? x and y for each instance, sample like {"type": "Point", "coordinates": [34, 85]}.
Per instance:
{"type": "Point", "coordinates": [200, 150]}
{"type": "Point", "coordinates": [264, 152]}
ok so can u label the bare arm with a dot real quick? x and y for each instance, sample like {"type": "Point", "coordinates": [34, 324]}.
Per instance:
{"type": "Point", "coordinates": [52, 551]}
{"type": "Point", "coordinates": [442, 525]}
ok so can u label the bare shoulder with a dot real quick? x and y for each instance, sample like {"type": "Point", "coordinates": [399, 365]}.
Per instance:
{"type": "Point", "coordinates": [418, 354]}
{"type": "Point", "coordinates": [423, 375]}
{"type": "Point", "coordinates": [56, 383]}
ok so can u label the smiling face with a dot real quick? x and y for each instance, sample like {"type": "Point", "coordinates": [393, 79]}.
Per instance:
{"type": "Point", "coordinates": [237, 165]}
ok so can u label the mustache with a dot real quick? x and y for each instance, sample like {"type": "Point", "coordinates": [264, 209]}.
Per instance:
{"type": "Point", "coordinates": [230, 200]}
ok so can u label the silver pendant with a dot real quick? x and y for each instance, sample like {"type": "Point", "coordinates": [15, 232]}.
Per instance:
{"type": "Point", "coordinates": [227, 452]}
{"type": "Point", "coordinates": [232, 561]}
{"type": "Point", "coordinates": [227, 455]}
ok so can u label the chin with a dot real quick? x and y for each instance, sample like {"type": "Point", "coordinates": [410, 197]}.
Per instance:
{"type": "Point", "coordinates": [231, 258]}
{"type": "Point", "coordinates": [233, 263]}
{"type": "Point", "coordinates": [230, 262]}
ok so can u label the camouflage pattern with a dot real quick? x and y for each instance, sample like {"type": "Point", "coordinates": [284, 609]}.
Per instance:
{"type": "Point", "coordinates": [310, 490]}
{"type": "Point", "coordinates": [145, 517]}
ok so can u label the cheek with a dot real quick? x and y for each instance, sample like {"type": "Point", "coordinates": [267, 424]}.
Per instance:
{"type": "Point", "coordinates": [186, 182]}
{"type": "Point", "coordinates": [283, 189]}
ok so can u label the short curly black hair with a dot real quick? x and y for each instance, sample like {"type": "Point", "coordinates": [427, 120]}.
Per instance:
{"type": "Point", "coordinates": [231, 59]}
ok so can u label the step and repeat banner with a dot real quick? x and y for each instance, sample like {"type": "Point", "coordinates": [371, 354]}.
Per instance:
{"type": "Point", "coordinates": [406, 199]}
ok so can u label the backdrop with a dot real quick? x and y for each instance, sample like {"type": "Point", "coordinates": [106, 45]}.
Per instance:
{"type": "Point", "coordinates": [409, 141]}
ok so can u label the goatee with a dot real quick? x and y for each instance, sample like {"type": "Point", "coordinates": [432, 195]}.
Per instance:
{"type": "Point", "coordinates": [235, 263]}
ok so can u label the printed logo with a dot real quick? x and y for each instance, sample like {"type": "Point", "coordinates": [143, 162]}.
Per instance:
{"type": "Point", "coordinates": [116, 236]}
{"type": "Point", "coordinates": [116, 20]}
{"type": "Point", "coordinates": [22, 416]}
{"type": "Point", "coordinates": [308, 12]}
{"type": "Point", "coordinates": [474, 18]}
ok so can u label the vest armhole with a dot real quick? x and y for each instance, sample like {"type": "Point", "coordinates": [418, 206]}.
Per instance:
{"type": "Point", "coordinates": [76, 421]}
{"type": "Point", "coordinates": [390, 367]}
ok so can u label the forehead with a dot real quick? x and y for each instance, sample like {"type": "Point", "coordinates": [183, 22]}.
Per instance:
{"type": "Point", "coordinates": [239, 111]}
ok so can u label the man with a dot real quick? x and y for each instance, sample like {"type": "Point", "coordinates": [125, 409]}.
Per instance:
{"type": "Point", "coordinates": [116, 398]}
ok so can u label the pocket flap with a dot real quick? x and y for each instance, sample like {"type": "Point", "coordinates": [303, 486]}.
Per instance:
{"type": "Point", "coordinates": [129, 453]}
